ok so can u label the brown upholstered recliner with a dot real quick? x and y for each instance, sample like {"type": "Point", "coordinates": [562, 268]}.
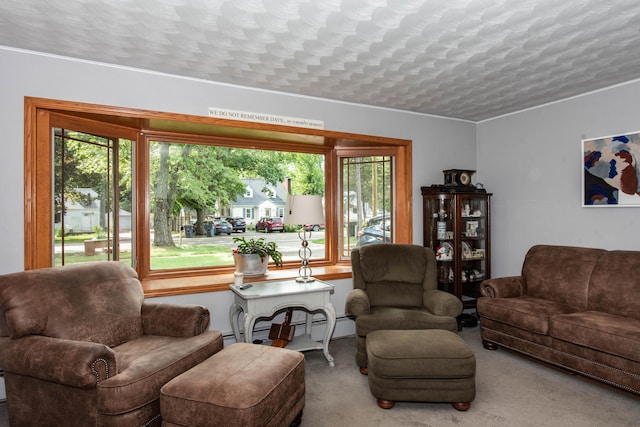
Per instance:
{"type": "Point", "coordinates": [395, 287]}
{"type": "Point", "coordinates": [80, 346]}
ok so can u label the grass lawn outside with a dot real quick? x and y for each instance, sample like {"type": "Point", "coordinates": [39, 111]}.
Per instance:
{"type": "Point", "coordinates": [179, 256]}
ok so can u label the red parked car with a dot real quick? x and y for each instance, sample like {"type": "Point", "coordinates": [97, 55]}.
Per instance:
{"type": "Point", "coordinates": [313, 227]}
{"type": "Point", "coordinates": [270, 224]}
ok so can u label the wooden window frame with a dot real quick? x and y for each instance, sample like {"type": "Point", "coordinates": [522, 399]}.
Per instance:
{"type": "Point", "coordinates": [142, 126]}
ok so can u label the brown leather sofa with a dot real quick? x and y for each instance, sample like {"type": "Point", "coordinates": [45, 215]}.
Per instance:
{"type": "Point", "coordinates": [81, 347]}
{"type": "Point", "coordinates": [576, 308]}
{"type": "Point", "coordinates": [395, 287]}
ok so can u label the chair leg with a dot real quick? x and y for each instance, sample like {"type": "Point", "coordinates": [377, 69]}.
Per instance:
{"type": "Point", "coordinates": [363, 371]}
{"type": "Point", "coordinates": [489, 345]}
{"type": "Point", "coordinates": [461, 406]}
{"type": "Point", "coordinates": [297, 420]}
{"type": "Point", "coordinates": [386, 404]}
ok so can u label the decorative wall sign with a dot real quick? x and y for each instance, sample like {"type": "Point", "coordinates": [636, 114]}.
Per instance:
{"type": "Point", "coordinates": [611, 173]}
{"type": "Point", "coordinates": [225, 113]}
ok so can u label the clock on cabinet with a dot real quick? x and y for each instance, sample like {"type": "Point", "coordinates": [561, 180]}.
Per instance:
{"type": "Point", "coordinates": [458, 177]}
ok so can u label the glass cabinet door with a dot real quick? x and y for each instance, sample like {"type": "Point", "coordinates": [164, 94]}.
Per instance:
{"type": "Point", "coordinates": [473, 245]}
{"type": "Point", "coordinates": [440, 235]}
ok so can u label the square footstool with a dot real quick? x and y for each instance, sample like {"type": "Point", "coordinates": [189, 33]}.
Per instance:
{"type": "Point", "coordinates": [429, 365]}
{"type": "Point", "coordinates": [241, 385]}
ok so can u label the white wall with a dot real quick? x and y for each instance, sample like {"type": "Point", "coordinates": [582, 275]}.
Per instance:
{"type": "Point", "coordinates": [532, 162]}
{"type": "Point", "coordinates": [438, 143]}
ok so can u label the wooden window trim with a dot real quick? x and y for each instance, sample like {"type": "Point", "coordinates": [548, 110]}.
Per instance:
{"type": "Point", "coordinates": [140, 125]}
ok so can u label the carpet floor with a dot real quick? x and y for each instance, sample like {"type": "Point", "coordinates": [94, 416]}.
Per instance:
{"type": "Point", "coordinates": [511, 391]}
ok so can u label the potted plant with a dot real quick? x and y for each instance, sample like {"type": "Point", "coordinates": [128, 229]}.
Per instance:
{"type": "Point", "coordinates": [251, 256]}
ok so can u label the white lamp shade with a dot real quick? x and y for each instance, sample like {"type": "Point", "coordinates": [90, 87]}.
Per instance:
{"type": "Point", "coordinates": [304, 209]}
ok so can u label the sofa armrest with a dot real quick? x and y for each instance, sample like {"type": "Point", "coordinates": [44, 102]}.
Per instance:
{"type": "Point", "coordinates": [174, 320]}
{"type": "Point", "coordinates": [357, 303]}
{"type": "Point", "coordinates": [503, 287]}
{"type": "Point", "coordinates": [80, 364]}
{"type": "Point", "coordinates": [442, 303]}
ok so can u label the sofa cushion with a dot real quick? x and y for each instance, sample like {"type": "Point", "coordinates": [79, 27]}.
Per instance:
{"type": "Point", "coordinates": [615, 284]}
{"type": "Point", "coordinates": [397, 277]}
{"type": "Point", "coordinates": [419, 354]}
{"type": "Point", "coordinates": [97, 301]}
{"type": "Point", "coordinates": [149, 362]}
{"type": "Point", "coordinates": [403, 319]}
{"type": "Point", "coordinates": [528, 313]}
{"type": "Point", "coordinates": [560, 273]}
{"type": "Point", "coordinates": [406, 263]}
{"type": "Point", "coordinates": [600, 331]}
{"type": "Point", "coordinates": [397, 294]}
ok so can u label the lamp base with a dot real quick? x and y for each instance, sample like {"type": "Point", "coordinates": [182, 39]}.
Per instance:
{"type": "Point", "coordinates": [305, 279]}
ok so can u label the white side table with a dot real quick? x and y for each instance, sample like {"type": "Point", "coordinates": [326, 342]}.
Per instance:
{"type": "Point", "coordinates": [264, 299]}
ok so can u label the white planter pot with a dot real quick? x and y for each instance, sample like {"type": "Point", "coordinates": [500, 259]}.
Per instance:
{"type": "Point", "coordinates": [251, 264]}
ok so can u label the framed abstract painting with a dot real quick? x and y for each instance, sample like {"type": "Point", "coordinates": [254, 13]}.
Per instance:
{"type": "Point", "coordinates": [611, 173]}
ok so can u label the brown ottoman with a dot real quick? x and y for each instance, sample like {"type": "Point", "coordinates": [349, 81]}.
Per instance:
{"type": "Point", "coordinates": [242, 385]}
{"type": "Point", "coordinates": [429, 365]}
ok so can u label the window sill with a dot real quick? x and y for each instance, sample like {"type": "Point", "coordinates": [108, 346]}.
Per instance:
{"type": "Point", "coordinates": [220, 282]}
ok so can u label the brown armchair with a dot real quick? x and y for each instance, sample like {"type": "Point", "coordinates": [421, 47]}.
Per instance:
{"type": "Point", "coordinates": [80, 346]}
{"type": "Point", "coordinates": [395, 287]}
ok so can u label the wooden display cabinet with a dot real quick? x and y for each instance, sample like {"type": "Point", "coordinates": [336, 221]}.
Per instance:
{"type": "Point", "coordinates": [457, 226]}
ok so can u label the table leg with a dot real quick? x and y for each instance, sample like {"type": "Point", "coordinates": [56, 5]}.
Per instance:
{"type": "Point", "coordinates": [248, 324]}
{"type": "Point", "coordinates": [234, 311]}
{"type": "Point", "coordinates": [307, 325]}
{"type": "Point", "coordinates": [330, 314]}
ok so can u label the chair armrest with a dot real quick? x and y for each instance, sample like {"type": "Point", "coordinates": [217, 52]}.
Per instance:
{"type": "Point", "coordinates": [442, 303]}
{"type": "Point", "coordinates": [357, 303]}
{"type": "Point", "coordinates": [79, 364]}
{"type": "Point", "coordinates": [503, 287]}
{"type": "Point", "coordinates": [174, 320]}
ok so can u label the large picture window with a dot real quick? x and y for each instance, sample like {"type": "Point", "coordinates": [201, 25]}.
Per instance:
{"type": "Point", "coordinates": [163, 192]}
{"type": "Point", "coordinates": [205, 189]}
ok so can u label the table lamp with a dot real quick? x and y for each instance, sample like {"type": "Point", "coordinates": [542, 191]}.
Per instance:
{"type": "Point", "coordinates": [304, 209]}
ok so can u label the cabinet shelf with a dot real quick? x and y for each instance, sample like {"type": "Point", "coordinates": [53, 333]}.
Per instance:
{"type": "Point", "coordinates": [457, 226]}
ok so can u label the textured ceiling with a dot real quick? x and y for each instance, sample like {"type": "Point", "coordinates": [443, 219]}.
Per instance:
{"type": "Point", "coordinates": [468, 59]}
